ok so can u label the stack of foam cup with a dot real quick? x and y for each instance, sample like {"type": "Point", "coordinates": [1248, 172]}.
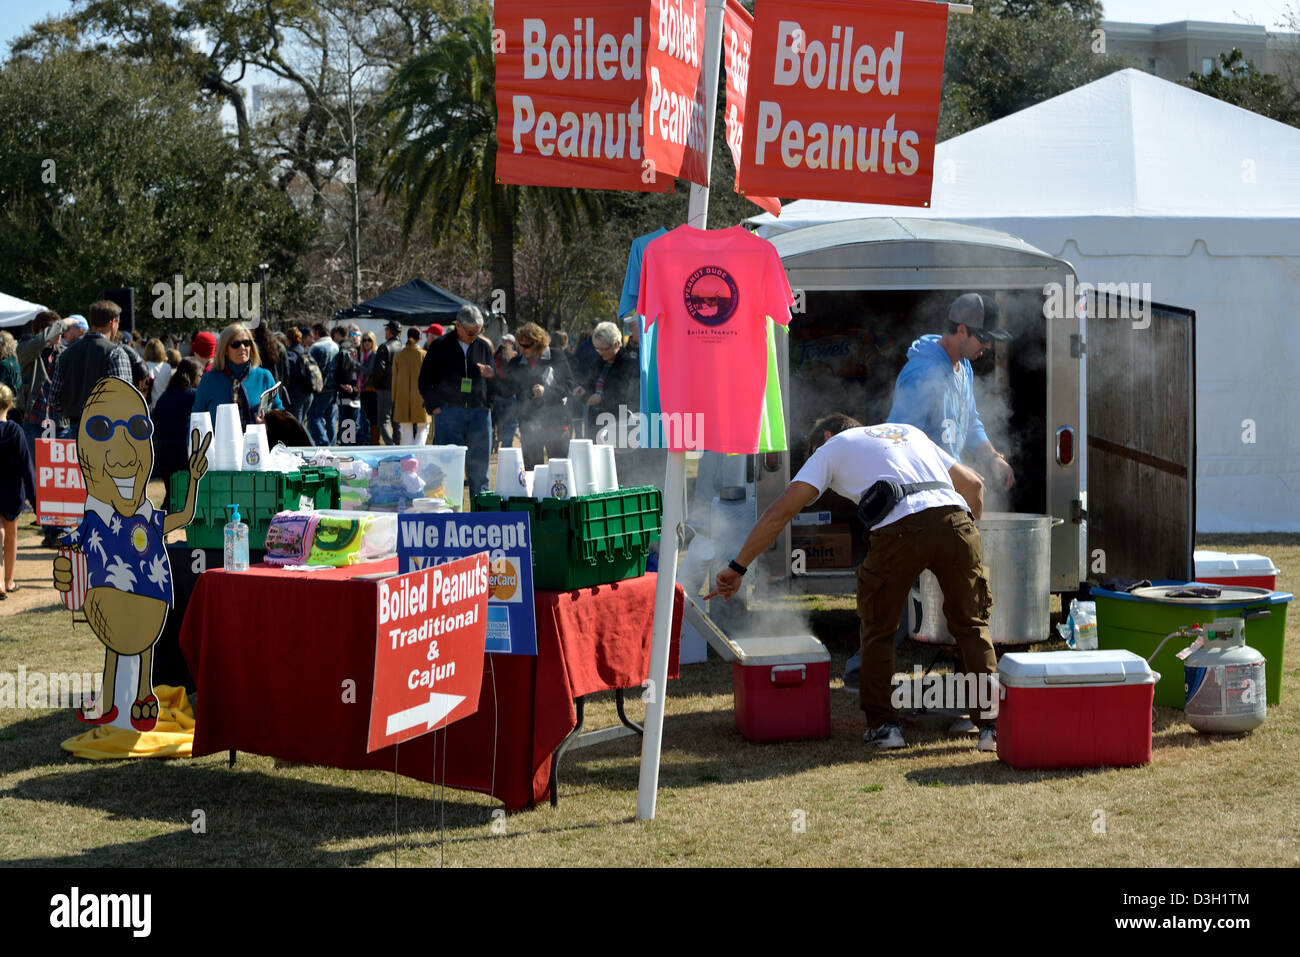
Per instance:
{"type": "Point", "coordinates": [510, 474]}
{"type": "Point", "coordinates": [256, 450]}
{"type": "Point", "coordinates": [227, 440]}
{"type": "Point", "coordinates": [541, 478]}
{"type": "Point", "coordinates": [200, 422]}
{"type": "Point", "coordinates": [584, 467]}
{"type": "Point", "coordinates": [561, 479]}
{"type": "Point", "coordinates": [607, 469]}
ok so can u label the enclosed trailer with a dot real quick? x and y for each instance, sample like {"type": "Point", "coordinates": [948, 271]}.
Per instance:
{"type": "Point", "coordinates": [1110, 452]}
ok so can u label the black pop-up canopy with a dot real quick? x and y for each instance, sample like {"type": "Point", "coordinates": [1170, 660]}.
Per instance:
{"type": "Point", "coordinates": [417, 302]}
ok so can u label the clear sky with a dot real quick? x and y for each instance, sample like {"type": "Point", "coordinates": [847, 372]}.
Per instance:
{"type": "Point", "coordinates": [16, 16]}
{"type": "Point", "coordinates": [1266, 13]}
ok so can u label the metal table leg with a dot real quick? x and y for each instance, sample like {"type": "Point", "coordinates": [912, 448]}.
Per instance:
{"type": "Point", "coordinates": [578, 705]}
{"type": "Point", "coordinates": [622, 716]}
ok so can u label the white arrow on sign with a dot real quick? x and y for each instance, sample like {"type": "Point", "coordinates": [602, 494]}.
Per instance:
{"type": "Point", "coordinates": [427, 713]}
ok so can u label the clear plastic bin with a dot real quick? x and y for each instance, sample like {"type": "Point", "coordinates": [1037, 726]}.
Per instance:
{"type": "Point", "coordinates": [383, 485]}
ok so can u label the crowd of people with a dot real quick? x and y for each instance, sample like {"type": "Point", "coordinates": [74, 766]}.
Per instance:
{"type": "Point", "coordinates": [314, 385]}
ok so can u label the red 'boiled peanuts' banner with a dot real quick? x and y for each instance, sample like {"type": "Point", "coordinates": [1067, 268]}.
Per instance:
{"type": "Point", "coordinates": [844, 100]}
{"type": "Point", "coordinates": [600, 94]}
{"type": "Point", "coordinates": [737, 39]}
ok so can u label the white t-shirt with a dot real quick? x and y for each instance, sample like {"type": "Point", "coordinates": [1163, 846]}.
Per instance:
{"type": "Point", "coordinates": [162, 374]}
{"type": "Point", "coordinates": [853, 461]}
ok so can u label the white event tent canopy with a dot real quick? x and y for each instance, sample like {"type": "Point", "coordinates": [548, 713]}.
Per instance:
{"type": "Point", "coordinates": [16, 312]}
{"type": "Point", "coordinates": [1137, 180]}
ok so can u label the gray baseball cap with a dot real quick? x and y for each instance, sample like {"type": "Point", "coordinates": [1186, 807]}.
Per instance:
{"type": "Point", "coordinates": [977, 312]}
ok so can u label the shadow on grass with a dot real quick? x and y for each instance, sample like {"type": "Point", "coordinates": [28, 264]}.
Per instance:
{"type": "Point", "coordinates": [991, 771]}
{"type": "Point", "coordinates": [52, 607]}
{"type": "Point", "coordinates": [250, 818]}
{"type": "Point", "coordinates": [34, 743]}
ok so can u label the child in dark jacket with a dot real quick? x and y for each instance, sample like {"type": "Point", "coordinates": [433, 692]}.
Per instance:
{"type": "Point", "coordinates": [17, 481]}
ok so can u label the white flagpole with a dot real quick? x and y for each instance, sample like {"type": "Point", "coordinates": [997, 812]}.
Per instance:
{"type": "Point", "coordinates": [675, 479]}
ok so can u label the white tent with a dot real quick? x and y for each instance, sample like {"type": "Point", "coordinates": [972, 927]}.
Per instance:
{"type": "Point", "coordinates": [1134, 179]}
{"type": "Point", "coordinates": [16, 312]}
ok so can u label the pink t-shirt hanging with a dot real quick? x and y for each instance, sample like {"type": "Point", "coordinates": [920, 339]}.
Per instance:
{"type": "Point", "coordinates": [711, 293]}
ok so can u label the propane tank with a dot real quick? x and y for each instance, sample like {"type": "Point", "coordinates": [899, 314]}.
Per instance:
{"type": "Point", "coordinates": [1224, 680]}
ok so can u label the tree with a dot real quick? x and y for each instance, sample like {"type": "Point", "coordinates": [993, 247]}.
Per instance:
{"type": "Point", "coordinates": [443, 151]}
{"type": "Point", "coordinates": [110, 176]}
{"type": "Point", "coordinates": [328, 64]}
{"type": "Point", "coordinates": [1011, 54]}
{"type": "Point", "coordinates": [1237, 81]}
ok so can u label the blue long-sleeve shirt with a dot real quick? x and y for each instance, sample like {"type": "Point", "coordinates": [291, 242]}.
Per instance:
{"type": "Point", "coordinates": [215, 389]}
{"type": "Point", "coordinates": [929, 393]}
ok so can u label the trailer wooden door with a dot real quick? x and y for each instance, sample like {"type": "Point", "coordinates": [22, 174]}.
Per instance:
{"type": "Point", "coordinates": [1141, 448]}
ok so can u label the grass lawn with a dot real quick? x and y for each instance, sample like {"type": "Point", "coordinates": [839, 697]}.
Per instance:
{"type": "Point", "coordinates": [1224, 801]}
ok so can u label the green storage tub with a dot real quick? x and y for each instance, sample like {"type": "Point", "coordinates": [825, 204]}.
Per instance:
{"type": "Point", "coordinates": [259, 495]}
{"type": "Point", "coordinates": [588, 539]}
{"type": "Point", "coordinates": [1139, 621]}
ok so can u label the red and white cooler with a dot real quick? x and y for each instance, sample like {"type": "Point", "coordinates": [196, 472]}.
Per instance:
{"type": "Point", "coordinates": [782, 688]}
{"type": "Point", "coordinates": [1237, 570]}
{"type": "Point", "coordinates": [1075, 709]}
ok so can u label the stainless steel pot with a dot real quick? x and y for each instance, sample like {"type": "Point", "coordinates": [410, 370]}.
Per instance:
{"type": "Point", "coordinates": [1017, 550]}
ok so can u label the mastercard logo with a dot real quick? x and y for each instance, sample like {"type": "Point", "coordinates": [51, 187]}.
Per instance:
{"type": "Point", "coordinates": [503, 579]}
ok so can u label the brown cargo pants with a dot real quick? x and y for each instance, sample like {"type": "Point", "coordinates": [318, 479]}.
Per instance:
{"type": "Point", "coordinates": [946, 541]}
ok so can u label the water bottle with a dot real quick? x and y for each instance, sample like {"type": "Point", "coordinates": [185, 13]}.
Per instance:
{"type": "Point", "coordinates": [236, 556]}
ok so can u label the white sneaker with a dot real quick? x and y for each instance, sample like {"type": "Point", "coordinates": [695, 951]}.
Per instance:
{"type": "Point", "coordinates": [988, 740]}
{"type": "Point", "coordinates": [962, 726]}
{"type": "Point", "coordinates": [885, 737]}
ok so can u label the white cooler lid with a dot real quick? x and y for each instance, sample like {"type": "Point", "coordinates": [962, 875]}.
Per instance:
{"type": "Point", "coordinates": [785, 650]}
{"type": "Point", "coordinates": [1054, 669]}
{"type": "Point", "coordinates": [1229, 565]}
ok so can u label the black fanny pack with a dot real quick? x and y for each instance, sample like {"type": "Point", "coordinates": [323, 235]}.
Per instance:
{"type": "Point", "coordinates": [879, 500]}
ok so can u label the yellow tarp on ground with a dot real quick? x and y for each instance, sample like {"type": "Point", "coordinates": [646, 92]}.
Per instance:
{"type": "Point", "coordinates": [172, 737]}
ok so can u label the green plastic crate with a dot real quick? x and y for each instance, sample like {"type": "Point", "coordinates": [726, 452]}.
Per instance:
{"type": "Point", "coordinates": [259, 496]}
{"type": "Point", "coordinates": [1139, 624]}
{"type": "Point", "coordinates": [589, 539]}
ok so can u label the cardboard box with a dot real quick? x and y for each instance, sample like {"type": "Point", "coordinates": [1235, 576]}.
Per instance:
{"type": "Point", "coordinates": [824, 546]}
{"type": "Point", "coordinates": [813, 518]}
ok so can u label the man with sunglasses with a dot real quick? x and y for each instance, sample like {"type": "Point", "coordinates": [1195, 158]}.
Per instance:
{"type": "Point", "coordinates": [935, 390]}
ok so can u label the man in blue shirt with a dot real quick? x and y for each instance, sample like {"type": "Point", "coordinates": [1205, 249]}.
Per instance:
{"type": "Point", "coordinates": [935, 389]}
{"type": "Point", "coordinates": [323, 415]}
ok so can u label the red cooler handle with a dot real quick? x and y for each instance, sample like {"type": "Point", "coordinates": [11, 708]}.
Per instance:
{"type": "Point", "coordinates": [789, 676]}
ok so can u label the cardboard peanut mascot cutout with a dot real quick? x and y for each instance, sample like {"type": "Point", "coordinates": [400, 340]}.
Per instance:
{"type": "Point", "coordinates": [119, 544]}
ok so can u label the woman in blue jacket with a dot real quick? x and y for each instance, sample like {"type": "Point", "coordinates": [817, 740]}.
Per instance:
{"type": "Point", "coordinates": [236, 376]}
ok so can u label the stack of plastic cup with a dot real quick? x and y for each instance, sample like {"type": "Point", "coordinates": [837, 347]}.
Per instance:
{"type": "Point", "coordinates": [584, 467]}
{"type": "Point", "coordinates": [200, 422]}
{"type": "Point", "coordinates": [511, 482]}
{"type": "Point", "coordinates": [227, 440]}
{"type": "Point", "coordinates": [608, 470]}
{"type": "Point", "coordinates": [255, 449]}
{"type": "Point", "coordinates": [561, 478]}
{"type": "Point", "coordinates": [541, 476]}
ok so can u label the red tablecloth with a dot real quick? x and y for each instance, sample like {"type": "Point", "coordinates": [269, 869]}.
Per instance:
{"type": "Point", "coordinates": [283, 663]}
